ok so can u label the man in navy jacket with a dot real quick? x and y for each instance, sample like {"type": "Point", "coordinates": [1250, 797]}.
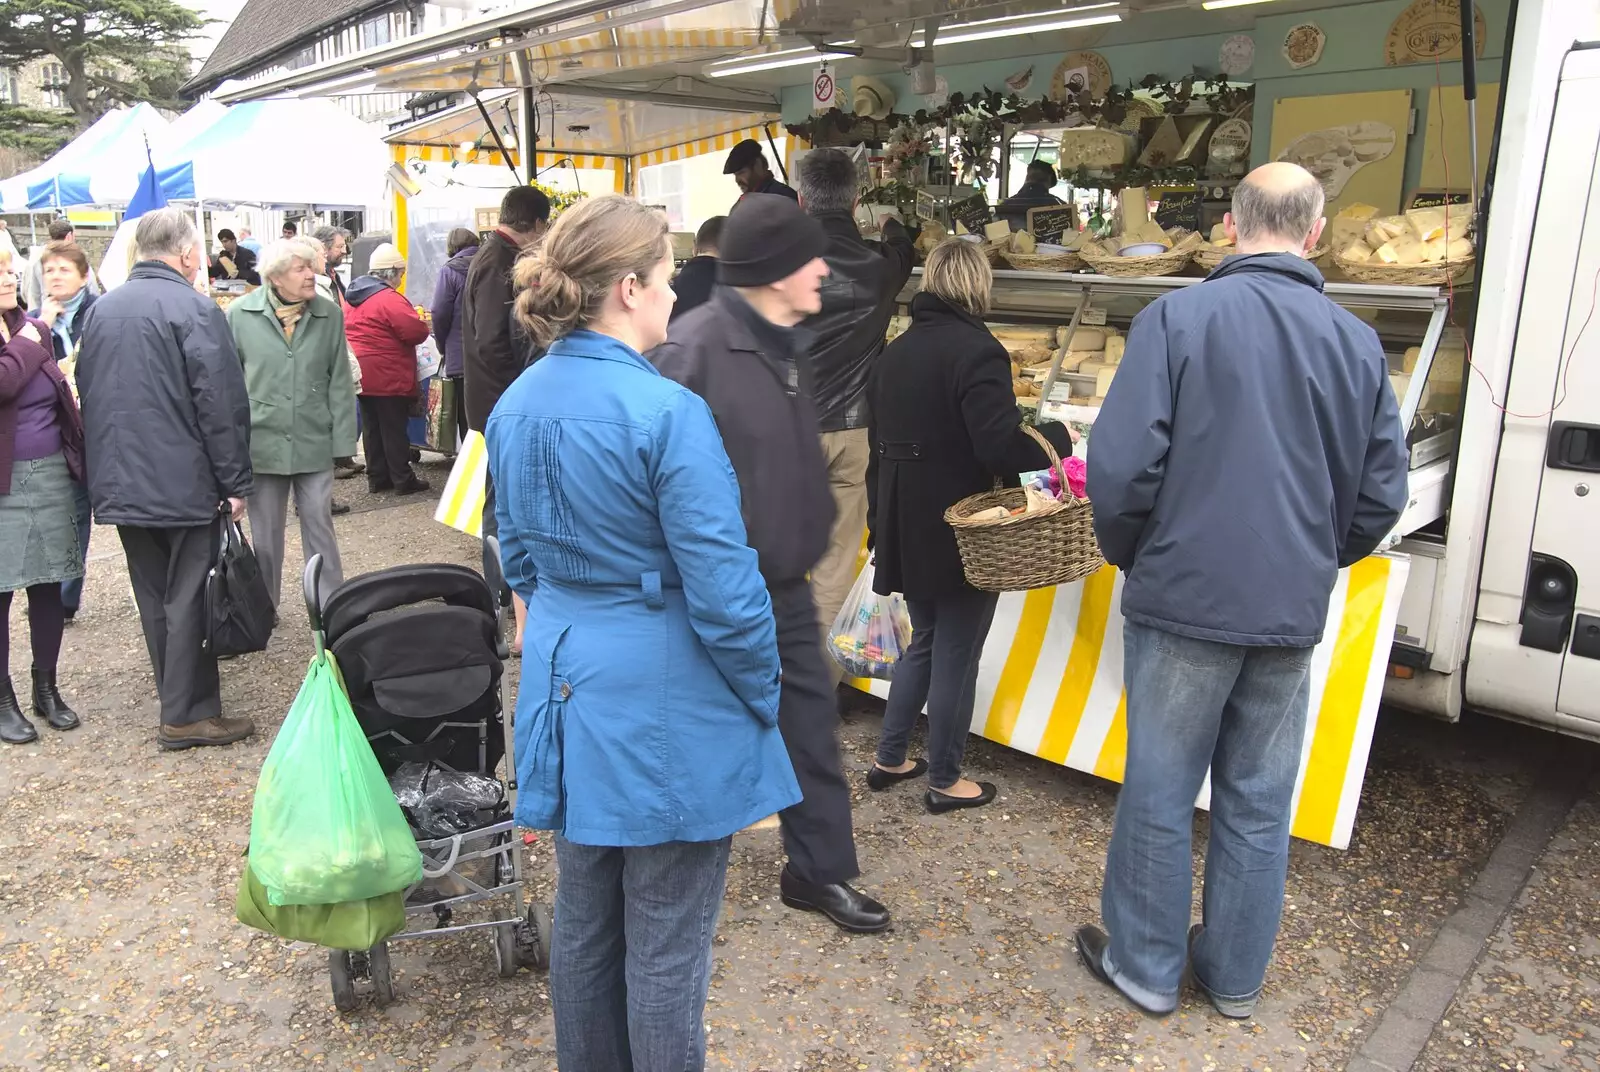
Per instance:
{"type": "Point", "coordinates": [1249, 448]}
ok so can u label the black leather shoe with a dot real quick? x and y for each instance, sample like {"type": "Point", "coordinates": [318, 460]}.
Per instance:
{"type": "Point", "coordinates": [880, 779]}
{"type": "Point", "coordinates": [412, 486]}
{"type": "Point", "coordinates": [850, 909]}
{"type": "Point", "coordinates": [939, 803]}
{"type": "Point", "coordinates": [48, 704]}
{"type": "Point", "coordinates": [1092, 943]}
{"type": "Point", "coordinates": [14, 728]}
{"type": "Point", "coordinates": [340, 509]}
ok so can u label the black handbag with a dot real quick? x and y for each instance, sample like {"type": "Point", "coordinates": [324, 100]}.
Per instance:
{"type": "Point", "coordinates": [238, 609]}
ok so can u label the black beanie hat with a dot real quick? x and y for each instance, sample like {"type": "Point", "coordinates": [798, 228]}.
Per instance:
{"type": "Point", "coordinates": [768, 237]}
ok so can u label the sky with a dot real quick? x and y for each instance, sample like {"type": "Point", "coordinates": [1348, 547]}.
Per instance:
{"type": "Point", "coordinates": [207, 39]}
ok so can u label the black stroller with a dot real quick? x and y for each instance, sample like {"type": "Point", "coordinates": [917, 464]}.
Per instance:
{"type": "Point", "coordinates": [422, 651]}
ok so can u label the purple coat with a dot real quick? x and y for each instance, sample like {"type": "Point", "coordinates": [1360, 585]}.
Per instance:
{"type": "Point", "coordinates": [448, 294]}
{"type": "Point", "coordinates": [20, 361]}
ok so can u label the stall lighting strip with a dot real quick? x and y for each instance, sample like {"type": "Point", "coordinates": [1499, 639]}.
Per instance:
{"type": "Point", "coordinates": [1217, 5]}
{"type": "Point", "coordinates": [981, 30]}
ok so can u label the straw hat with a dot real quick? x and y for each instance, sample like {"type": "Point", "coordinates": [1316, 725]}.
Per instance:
{"type": "Point", "coordinates": [871, 99]}
{"type": "Point", "coordinates": [385, 256]}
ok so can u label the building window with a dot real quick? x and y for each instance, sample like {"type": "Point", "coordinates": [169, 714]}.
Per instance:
{"type": "Point", "coordinates": [53, 85]}
{"type": "Point", "coordinates": [10, 86]}
{"type": "Point", "coordinates": [304, 58]}
{"type": "Point", "coordinates": [375, 32]}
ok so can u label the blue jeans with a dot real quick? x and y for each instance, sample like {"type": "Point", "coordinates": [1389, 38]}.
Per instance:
{"type": "Point", "coordinates": [630, 962]}
{"type": "Point", "coordinates": [72, 591]}
{"type": "Point", "coordinates": [1240, 712]}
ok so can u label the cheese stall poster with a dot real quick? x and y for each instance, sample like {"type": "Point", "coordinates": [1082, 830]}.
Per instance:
{"type": "Point", "coordinates": [1050, 685]}
{"type": "Point", "coordinates": [1354, 143]}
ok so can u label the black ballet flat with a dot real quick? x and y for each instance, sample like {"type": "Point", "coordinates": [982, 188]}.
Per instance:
{"type": "Point", "coordinates": [939, 803]}
{"type": "Point", "coordinates": [880, 779]}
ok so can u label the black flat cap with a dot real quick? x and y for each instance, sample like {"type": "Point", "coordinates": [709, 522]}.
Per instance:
{"type": "Point", "coordinates": [742, 155]}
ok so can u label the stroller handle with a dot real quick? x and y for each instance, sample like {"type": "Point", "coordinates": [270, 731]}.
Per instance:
{"type": "Point", "coordinates": [310, 588]}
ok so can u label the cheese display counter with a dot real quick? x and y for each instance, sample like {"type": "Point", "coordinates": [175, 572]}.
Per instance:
{"type": "Point", "coordinates": [1050, 682]}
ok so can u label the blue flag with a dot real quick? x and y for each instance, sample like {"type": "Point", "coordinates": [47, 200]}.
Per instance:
{"type": "Point", "coordinates": [149, 195]}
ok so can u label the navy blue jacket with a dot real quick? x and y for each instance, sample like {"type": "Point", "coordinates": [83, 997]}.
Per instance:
{"type": "Point", "coordinates": [1249, 448]}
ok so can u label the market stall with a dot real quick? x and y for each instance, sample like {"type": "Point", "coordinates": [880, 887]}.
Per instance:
{"type": "Point", "coordinates": [1147, 114]}
{"type": "Point", "coordinates": [101, 166]}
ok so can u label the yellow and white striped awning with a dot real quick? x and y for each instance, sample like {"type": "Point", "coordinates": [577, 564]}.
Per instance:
{"type": "Point", "coordinates": [716, 143]}
{"type": "Point", "coordinates": [1050, 685]}
{"type": "Point", "coordinates": [447, 154]}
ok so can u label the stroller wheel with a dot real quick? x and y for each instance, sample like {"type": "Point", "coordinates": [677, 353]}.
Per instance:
{"type": "Point", "coordinates": [535, 935]}
{"type": "Point", "coordinates": [378, 969]}
{"type": "Point", "coordinates": [344, 984]}
{"type": "Point", "coordinates": [505, 949]}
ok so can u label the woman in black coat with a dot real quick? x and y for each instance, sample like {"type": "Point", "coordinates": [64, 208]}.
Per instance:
{"type": "Point", "coordinates": [944, 426]}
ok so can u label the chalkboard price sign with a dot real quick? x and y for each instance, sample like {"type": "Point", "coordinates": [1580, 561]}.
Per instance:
{"type": "Point", "coordinates": [1179, 208]}
{"type": "Point", "coordinates": [973, 213]}
{"type": "Point", "coordinates": [1050, 223]}
{"type": "Point", "coordinates": [1438, 198]}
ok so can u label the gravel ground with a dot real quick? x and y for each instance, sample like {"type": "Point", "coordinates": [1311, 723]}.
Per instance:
{"type": "Point", "coordinates": [118, 866]}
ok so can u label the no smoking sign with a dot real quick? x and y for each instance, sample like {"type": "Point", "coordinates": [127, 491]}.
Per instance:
{"type": "Point", "coordinates": [824, 90]}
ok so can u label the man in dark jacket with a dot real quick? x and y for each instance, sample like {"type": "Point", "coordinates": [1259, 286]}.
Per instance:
{"type": "Point", "coordinates": [1249, 448]}
{"type": "Point", "coordinates": [748, 166]}
{"type": "Point", "coordinates": [858, 299]}
{"type": "Point", "coordinates": [234, 261]}
{"type": "Point", "coordinates": [489, 357]}
{"type": "Point", "coordinates": [167, 442]}
{"type": "Point", "coordinates": [698, 276]}
{"type": "Point", "coordinates": [1035, 193]}
{"type": "Point", "coordinates": [745, 355]}
{"type": "Point", "coordinates": [449, 296]}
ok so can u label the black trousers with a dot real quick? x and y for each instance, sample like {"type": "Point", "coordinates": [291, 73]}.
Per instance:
{"type": "Point", "coordinates": [385, 442]}
{"type": "Point", "coordinates": [168, 569]}
{"type": "Point", "coordinates": [817, 832]}
{"type": "Point", "coordinates": [461, 408]}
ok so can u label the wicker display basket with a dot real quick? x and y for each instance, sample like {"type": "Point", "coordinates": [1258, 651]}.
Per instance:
{"type": "Point", "coordinates": [1209, 256]}
{"type": "Point", "coordinates": [1044, 262]}
{"type": "Point", "coordinates": [1405, 275]}
{"type": "Point", "coordinates": [1039, 550]}
{"type": "Point", "coordinates": [1107, 261]}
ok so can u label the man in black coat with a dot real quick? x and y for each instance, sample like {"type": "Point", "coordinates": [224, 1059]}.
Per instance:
{"type": "Point", "coordinates": [744, 354]}
{"type": "Point", "coordinates": [167, 445]}
{"type": "Point", "coordinates": [234, 261]}
{"type": "Point", "coordinates": [698, 276]}
{"type": "Point", "coordinates": [748, 166]}
{"type": "Point", "coordinates": [858, 300]}
{"type": "Point", "coordinates": [1035, 193]}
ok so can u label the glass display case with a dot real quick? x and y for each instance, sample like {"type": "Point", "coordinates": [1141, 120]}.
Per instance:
{"type": "Point", "coordinates": [1065, 334]}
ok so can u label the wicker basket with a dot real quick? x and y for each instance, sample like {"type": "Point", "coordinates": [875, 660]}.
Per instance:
{"type": "Point", "coordinates": [1039, 550]}
{"type": "Point", "coordinates": [1209, 256]}
{"type": "Point", "coordinates": [1405, 275]}
{"type": "Point", "coordinates": [1107, 261]}
{"type": "Point", "coordinates": [1044, 262]}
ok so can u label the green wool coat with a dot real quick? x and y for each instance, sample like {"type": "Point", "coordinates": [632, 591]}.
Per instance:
{"type": "Point", "coordinates": [302, 401]}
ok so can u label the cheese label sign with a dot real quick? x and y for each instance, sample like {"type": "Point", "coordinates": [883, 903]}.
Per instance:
{"type": "Point", "coordinates": [1178, 208]}
{"type": "Point", "coordinates": [1438, 198]}
{"type": "Point", "coordinates": [1049, 223]}
{"type": "Point", "coordinates": [972, 212]}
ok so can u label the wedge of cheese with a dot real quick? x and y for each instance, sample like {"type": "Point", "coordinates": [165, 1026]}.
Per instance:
{"type": "Point", "coordinates": [1023, 242]}
{"type": "Point", "coordinates": [1402, 250]}
{"type": "Point", "coordinates": [1358, 211]}
{"type": "Point", "coordinates": [1357, 251]}
{"type": "Point", "coordinates": [997, 230]}
{"type": "Point", "coordinates": [1087, 339]}
{"type": "Point", "coordinates": [1426, 224]}
{"type": "Point", "coordinates": [1102, 380]}
{"type": "Point", "coordinates": [1134, 204]}
{"type": "Point", "coordinates": [1385, 229]}
{"type": "Point", "coordinates": [1219, 236]}
{"type": "Point", "coordinates": [1115, 346]}
{"type": "Point", "coordinates": [1148, 231]}
{"type": "Point", "coordinates": [1455, 250]}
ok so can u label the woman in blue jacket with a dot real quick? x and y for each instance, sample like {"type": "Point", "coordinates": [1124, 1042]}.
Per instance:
{"type": "Point", "coordinates": [647, 719]}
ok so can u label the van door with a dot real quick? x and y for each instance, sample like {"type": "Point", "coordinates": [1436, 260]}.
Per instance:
{"type": "Point", "coordinates": [1535, 651]}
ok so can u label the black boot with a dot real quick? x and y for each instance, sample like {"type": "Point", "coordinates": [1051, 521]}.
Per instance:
{"type": "Point", "coordinates": [48, 704]}
{"type": "Point", "coordinates": [14, 728]}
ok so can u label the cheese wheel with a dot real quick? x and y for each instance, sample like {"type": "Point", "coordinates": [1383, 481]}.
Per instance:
{"type": "Point", "coordinates": [1087, 339]}
{"type": "Point", "coordinates": [1091, 147]}
{"type": "Point", "coordinates": [1115, 344]}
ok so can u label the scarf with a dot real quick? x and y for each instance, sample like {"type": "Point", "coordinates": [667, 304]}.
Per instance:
{"type": "Point", "coordinates": [288, 313]}
{"type": "Point", "coordinates": [63, 325]}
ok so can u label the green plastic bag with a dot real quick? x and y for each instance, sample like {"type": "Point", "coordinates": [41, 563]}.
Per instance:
{"type": "Point", "coordinates": [326, 828]}
{"type": "Point", "coordinates": [354, 925]}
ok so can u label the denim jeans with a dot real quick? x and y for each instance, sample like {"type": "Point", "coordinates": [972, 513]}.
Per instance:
{"type": "Point", "coordinates": [630, 962]}
{"type": "Point", "coordinates": [1240, 712]}
{"type": "Point", "coordinates": [939, 670]}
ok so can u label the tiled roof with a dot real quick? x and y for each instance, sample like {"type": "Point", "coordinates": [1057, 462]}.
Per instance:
{"type": "Point", "coordinates": [266, 28]}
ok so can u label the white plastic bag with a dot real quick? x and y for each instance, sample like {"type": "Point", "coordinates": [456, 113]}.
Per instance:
{"type": "Point", "coordinates": [871, 632]}
{"type": "Point", "coordinates": [429, 360]}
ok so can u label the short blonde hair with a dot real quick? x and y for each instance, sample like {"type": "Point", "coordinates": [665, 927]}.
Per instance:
{"type": "Point", "coordinates": [564, 282]}
{"type": "Point", "coordinates": [958, 272]}
{"type": "Point", "coordinates": [6, 259]}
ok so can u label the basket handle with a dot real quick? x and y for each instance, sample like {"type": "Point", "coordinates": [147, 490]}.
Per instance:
{"type": "Point", "coordinates": [1050, 452]}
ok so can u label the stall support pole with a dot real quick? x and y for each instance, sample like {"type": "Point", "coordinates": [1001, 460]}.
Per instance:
{"type": "Point", "coordinates": [1061, 353]}
{"type": "Point", "coordinates": [528, 119]}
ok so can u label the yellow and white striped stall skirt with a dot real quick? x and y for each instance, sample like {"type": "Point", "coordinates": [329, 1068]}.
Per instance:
{"type": "Point", "coordinates": [1050, 685]}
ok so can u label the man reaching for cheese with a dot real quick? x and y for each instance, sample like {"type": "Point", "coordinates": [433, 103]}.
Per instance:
{"type": "Point", "coordinates": [1249, 448]}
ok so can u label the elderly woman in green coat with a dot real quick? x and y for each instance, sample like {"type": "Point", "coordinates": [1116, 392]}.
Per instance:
{"type": "Point", "coordinates": [302, 404]}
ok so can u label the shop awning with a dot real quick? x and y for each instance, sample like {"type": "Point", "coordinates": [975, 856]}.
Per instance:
{"type": "Point", "coordinates": [279, 153]}
{"type": "Point", "coordinates": [101, 166]}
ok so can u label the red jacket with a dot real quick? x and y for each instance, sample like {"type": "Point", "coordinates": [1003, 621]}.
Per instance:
{"type": "Point", "coordinates": [384, 331]}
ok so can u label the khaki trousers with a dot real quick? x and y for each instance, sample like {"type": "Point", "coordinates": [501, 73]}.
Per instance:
{"type": "Point", "coordinates": [846, 454]}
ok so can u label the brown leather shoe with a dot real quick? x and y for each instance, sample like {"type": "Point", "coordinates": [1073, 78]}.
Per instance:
{"type": "Point", "coordinates": [208, 732]}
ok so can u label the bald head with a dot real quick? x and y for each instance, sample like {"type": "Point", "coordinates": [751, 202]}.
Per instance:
{"type": "Point", "coordinates": [1277, 209]}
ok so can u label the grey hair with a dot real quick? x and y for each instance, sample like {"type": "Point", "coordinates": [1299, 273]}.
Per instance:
{"type": "Point", "coordinates": [1261, 214]}
{"type": "Point", "coordinates": [326, 234]}
{"type": "Point", "coordinates": [166, 232]}
{"type": "Point", "coordinates": [278, 257]}
{"type": "Point", "coordinates": [828, 181]}
{"type": "Point", "coordinates": [388, 275]}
